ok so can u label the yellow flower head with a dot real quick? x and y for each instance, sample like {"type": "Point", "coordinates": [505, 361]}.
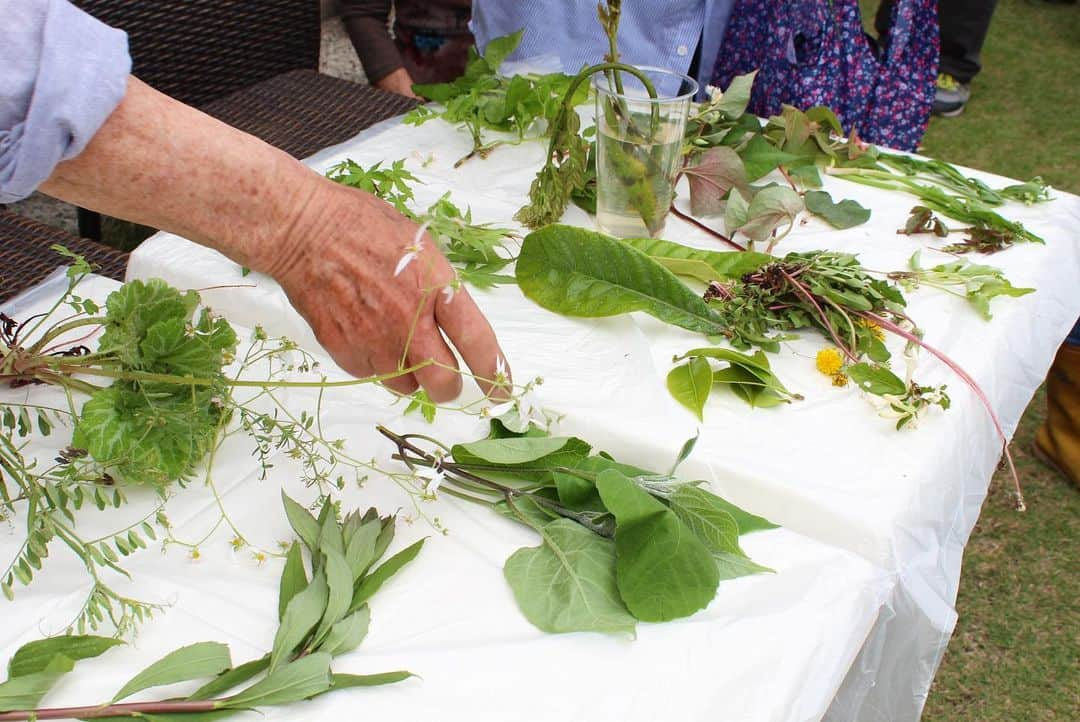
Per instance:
{"type": "Point", "coordinates": [875, 329]}
{"type": "Point", "coordinates": [840, 379]}
{"type": "Point", "coordinates": [830, 361]}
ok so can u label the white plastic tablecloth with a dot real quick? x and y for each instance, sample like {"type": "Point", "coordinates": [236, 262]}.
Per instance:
{"type": "Point", "coordinates": [825, 467]}
{"type": "Point", "coordinates": [770, 647]}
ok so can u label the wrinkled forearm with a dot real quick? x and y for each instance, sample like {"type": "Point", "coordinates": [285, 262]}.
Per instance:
{"type": "Point", "coordinates": [161, 163]}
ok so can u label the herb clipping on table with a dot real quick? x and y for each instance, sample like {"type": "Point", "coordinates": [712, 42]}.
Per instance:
{"type": "Point", "coordinates": [148, 409]}
{"type": "Point", "coordinates": [577, 272]}
{"type": "Point", "coordinates": [618, 544]}
{"type": "Point", "coordinates": [322, 613]}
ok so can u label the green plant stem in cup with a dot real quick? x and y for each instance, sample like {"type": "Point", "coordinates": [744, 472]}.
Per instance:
{"type": "Point", "coordinates": [639, 139]}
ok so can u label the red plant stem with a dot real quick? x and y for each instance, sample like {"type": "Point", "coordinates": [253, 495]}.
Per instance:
{"type": "Point", "coordinates": [711, 231]}
{"type": "Point", "coordinates": [801, 290]}
{"type": "Point", "coordinates": [127, 709]}
{"type": "Point", "coordinates": [783, 172]}
{"type": "Point", "coordinates": [894, 328]}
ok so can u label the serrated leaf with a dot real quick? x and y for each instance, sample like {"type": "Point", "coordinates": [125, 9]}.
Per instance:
{"type": "Point", "coordinates": [567, 584]}
{"type": "Point", "coordinates": [374, 581]}
{"type": "Point", "coordinates": [664, 572]}
{"type": "Point", "coordinates": [293, 682]}
{"type": "Point", "coordinates": [690, 384]}
{"type": "Point", "coordinates": [204, 659]}
{"type": "Point", "coordinates": [293, 578]}
{"type": "Point", "coordinates": [845, 214]}
{"type": "Point", "coordinates": [301, 615]}
{"type": "Point", "coordinates": [35, 656]}
{"type": "Point", "coordinates": [583, 273]}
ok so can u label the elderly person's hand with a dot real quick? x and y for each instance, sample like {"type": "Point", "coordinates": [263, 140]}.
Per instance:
{"type": "Point", "coordinates": [335, 250]}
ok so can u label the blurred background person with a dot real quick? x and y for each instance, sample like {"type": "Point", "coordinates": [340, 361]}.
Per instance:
{"type": "Point", "coordinates": [401, 42]}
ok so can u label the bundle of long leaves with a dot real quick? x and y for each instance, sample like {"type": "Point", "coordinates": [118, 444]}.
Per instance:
{"type": "Point", "coordinates": [619, 543]}
{"type": "Point", "coordinates": [323, 612]}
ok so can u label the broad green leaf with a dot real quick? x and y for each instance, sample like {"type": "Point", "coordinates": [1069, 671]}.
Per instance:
{"type": "Point", "coordinates": [293, 578]}
{"type": "Point", "coordinates": [580, 494]}
{"type": "Point", "coordinates": [769, 208]}
{"type": "Point", "coordinates": [746, 521]}
{"type": "Point", "coordinates": [211, 716]}
{"type": "Point", "coordinates": [567, 584]}
{"type": "Point", "coordinates": [301, 615]}
{"type": "Point", "coordinates": [136, 306]}
{"type": "Point", "coordinates": [499, 48]}
{"type": "Point", "coordinates": [536, 515]}
{"type": "Point", "coordinates": [711, 176]}
{"type": "Point", "coordinates": [373, 581]}
{"type": "Point", "coordinates": [520, 450]}
{"type": "Point", "coordinates": [737, 95]}
{"type": "Point", "coordinates": [330, 536]}
{"type": "Point", "coordinates": [760, 157]}
{"type": "Point", "coordinates": [845, 214]}
{"type": "Point", "coordinates": [735, 214]}
{"type": "Point", "coordinates": [583, 273]}
{"type": "Point", "coordinates": [339, 580]}
{"type": "Point", "coordinates": [877, 380]}
{"type": "Point", "coordinates": [690, 384]}
{"type": "Point", "coordinates": [568, 452]}
{"type": "Point", "coordinates": [231, 678]}
{"type": "Point", "coordinates": [24, 692]}
{"type": "Point", "coordinates": [709, 521]}
{"type": "Point", "coordinates": [347, 634]}
{"type": "Point", "coordinates": [35, 656]}
{"type": "Point", "coordinates": [663, 570]}
{"type": "Point", "coordinates": [295, 681]}
{"type": "Point", "coordinates": [749, 376]}
{"type": "Point", "coordinates": [697, 263]}
{"type": "Point", "coordinates": [303, 523]}
{"type": "Point", "coordinates": [204, 659]}
{"type": "Point", "coordinates": [733, 566]}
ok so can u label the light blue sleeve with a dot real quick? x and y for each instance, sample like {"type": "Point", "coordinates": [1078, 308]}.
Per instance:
{"type": "Point", "coordinates": [62, 73]}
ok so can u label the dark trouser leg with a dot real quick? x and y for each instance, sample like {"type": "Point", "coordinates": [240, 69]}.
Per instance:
{"type": "Point", "coordinates": [964, 25]}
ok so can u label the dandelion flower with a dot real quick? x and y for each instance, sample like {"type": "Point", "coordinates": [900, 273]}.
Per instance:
{"type": "Point", "coordinates": [829, 361]}
{"type": "Point", "coordinates": [875, 329]}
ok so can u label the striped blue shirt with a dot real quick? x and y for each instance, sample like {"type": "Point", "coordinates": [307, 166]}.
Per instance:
{"type": "Point", "coordinates": [663, 33]}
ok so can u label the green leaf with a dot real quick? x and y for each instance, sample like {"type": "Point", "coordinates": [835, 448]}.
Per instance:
{"type": "Point", "coordinates": [691, 383]}
{"type": "Point", "coordinates": [293, 578]}
{"type": "Point", "coordinates": [499, 48]}
{"type": "Point", "coordinates": [583, 273]}
{"type": "Point", "coordinates": [339, 580]}
{"type": "Point", "coordinates": [760, 157]}
{"type": "Point", "coordinates": [231, 678]}
{"type": "Point", "coordinates": [685, 451]}
{"type": "Point", "coordinates": [518, 450]}
{"type": "Point", "coordinates": [664, 572]}
{"type": "Point", "coordinates": [735, 214]}
{"type": "Point", "coordinates": [301, 615]}
{"type": "Point", "coordinates": [845, 214]}
{"type": "Point", "coordinates": [211, 716]}
{"type": "Point", "coordinates": [710, 177]}
{"type": "Point", "coordinates": [569, 452]}
{"type": "Point", "coordinates": [749, 376]}
{"type": "Point", "coordinates": [696, 263]}
{"type": "Point", "coordinates": [360, 550]}
{"type": "Point", "coordinates": [347, 634]}
{"type": "Point", "coordinates": [35, 656]}
{"type": "Point", "coordinates": [567, 584]}
{"type": "Point", "coordinates": [733, 566]}
{"type": "Point", "coordinates": [709, 521]}
{"type": "Point", "coordinates": [204, 659]}
{"type": "Point", "coordinates": [344, 681]}
{"type": "Point", "coordinates": [737, 95]}
{"type": "Point", "coordinates": [420, 401]}
{"type": "Point", "coordinates": [24, 692]}
{"type": "Point", "coordinates": [303, 523]}
{"type": "Point", "coordinates": [771, 207]}
{"type": "Point", "coordinates": [293, 682]}
{"type": "Point", "coordinates": [876, 379]}
{"type": "Point", "coordinates": [372, 582]}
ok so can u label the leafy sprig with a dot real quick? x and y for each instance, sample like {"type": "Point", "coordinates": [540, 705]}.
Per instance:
{"type": "Point", "coordinates": [323, 613]}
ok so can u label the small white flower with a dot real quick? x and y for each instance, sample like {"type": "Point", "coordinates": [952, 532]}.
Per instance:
{"type": "Point", "coordinates": [412, 250]}
{"type": "Point", "coordinates": [495, 412]}
{"type": "Point", "coordinates": [434, 483]}
{"type": "Point", "coordinates": [715, 93]}
{"type": "Point", "coordinates": [501, 376]}
{"type": "Point", "coordinates": [529, 409]}
{"type": "Point", "coordinates": [451, 289]}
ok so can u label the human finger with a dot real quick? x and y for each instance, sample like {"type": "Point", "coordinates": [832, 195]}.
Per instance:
{"type": "Point", "coordinates": [474, 338]}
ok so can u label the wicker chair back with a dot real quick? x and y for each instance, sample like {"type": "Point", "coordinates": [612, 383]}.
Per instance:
{"type": "Point", "coordinates": [200, 50]}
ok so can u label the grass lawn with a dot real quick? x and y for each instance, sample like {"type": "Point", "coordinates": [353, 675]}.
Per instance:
{"type": "Point", "coordinates": [1015, 655]}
